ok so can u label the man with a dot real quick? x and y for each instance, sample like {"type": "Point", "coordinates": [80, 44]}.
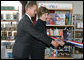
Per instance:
{"type": "Point", "coordinates": [25, 32]}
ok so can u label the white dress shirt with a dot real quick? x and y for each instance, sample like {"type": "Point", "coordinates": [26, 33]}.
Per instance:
{"type": "Point", "coordinates": [29, 17]}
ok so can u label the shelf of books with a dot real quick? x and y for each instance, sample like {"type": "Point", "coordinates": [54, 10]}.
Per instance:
{"type": "Point", "coordinates": [9, 10]}
{"type": "Point", "coordinates": [78, 28]}
{"type": "Point", "coordinates": [9, 21]}
{"type": "Point", "coordinates": [60, 26]}
{"type": "Point", "coordinates": [78, 33]}
{"type": "Point", "coordinates": [61, 9]}
{"type": "Point", "coordinates": [58, 58]}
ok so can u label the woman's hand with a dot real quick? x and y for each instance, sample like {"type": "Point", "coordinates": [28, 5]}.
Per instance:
{"type": "Point", "coordinates": [55, 43]}
{"type": "Point", "coordinates": [61, 43]}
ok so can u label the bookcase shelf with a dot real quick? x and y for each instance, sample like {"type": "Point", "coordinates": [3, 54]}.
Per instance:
{"type": "Point", "coordinates": [58, 57]}
{"type": "Point", "coordinates": [79, 28]}
{"type": "Point", "coordinates": [7, 40]}
{"type": "Point", "coordinates": [61, 9]}
{"type": "Point", "coordinates": [8, 21]}
{"type": "Point", "coordinates": [9, 10]}
{"type": "Point", "coordinates": [8, 28]}
{"type": "Point", "coordinates": [78, 33]}
{"type": "Point", "coordinates": [61, 25]}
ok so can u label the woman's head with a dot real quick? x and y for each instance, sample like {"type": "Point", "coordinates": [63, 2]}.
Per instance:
{"type": "Point", "coordinates": [43, 13]}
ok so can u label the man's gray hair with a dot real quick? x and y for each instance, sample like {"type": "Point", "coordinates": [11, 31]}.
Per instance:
{"type": "Point", "coordinates": [30, 4]}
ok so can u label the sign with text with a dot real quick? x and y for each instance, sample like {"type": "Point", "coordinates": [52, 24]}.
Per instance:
{"type": "Point", "coordinates": [55, 5]}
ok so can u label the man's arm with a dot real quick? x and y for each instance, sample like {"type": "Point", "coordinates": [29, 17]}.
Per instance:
{"type": "Point", "coordinates": [29, 28]}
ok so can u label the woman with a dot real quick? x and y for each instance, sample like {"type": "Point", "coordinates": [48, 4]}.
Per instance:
{"type": "Point", "coordinates": [38, 48]}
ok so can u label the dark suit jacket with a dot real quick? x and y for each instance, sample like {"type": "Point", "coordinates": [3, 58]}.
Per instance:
{"type": "Point", "coordinates": [41, 26]}
{"type": "Point", "coordinates": [25, 32]}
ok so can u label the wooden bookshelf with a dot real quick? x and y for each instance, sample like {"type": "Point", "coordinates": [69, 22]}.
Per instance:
{"type": "Point", "coordinates": [61, 9]}
{"type": "Point", "coordinates": [79, 28]}
{"type": "Point", "coordinates": [7, 40]}
{"type": "Point", "coordinates": [79, 47]}
{"type": "Point", "coordinates": [8, 20]}
{"type": "Point", "coordinates": [9, 49]}
{"type": "Point", "coordinates": [14, 17]}
{"type": "Point", "coordinates": [58, 57]}
{"type": "Point", "coordinates": [8, 30]}
{"type": "Point", "coordinates": [79, 37]}
{"type": "Point", "coordinates": [61, 25]}
{"type": "Point", "coordinates": [9, 10]}
{"type": "Point", "coordinates": [78, 31]}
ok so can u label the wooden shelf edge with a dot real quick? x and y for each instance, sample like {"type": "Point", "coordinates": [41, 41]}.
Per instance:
{"type": "Point", "coordinates": [58, 58]}
{"type": "Point", "coordinates": [9, 10]}
{"type": "Point", "coordinates": [8, 20]}
{"type": "Point", "coordinates": [60, 9]}
{"type": "Point", "coordinates": [9, 30]}
{"type": "Point", "coordinates": [7, 40]}
{"type": "Point", "coordinates": [79, 28]}
{"type": "Point", "coordinates": [62, 25]}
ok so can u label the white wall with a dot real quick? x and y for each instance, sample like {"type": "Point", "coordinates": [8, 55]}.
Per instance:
{"type": "Point", "coordinates": [77, 5]}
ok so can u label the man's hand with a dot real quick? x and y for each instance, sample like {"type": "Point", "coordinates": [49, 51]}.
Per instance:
{"type": "Point", "coordinates": [61, 43]}
{"type": "Point", "coordinates": [55, 43]}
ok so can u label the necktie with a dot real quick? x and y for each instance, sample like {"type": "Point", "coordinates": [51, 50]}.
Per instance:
{"type": "Point", "coordinates": [34, 21]}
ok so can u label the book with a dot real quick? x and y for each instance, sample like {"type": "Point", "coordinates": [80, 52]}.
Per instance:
{"type": "Point", "coordinates": [60, 19]}
{"type": "Point", "coordinates": [61, 33]}
{"type": "Point", "coordinates": [2, 17]}
{"type": "Point", "coordinates": [8, 45]}
{"type": "Point", "coordinates": [51, 32]}
{"type": "Point", "coordinates": [68, 18]}
{"type": "Point", "coordinates": [47, 52]}
{"type": "Point", "coordinates": [8, 17]}
{"type": "Point", "coordinates": [56, 32]}
{"type": "Point", "coordinates": [56, 19]}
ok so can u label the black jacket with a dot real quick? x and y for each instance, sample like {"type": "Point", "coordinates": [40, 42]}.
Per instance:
{"type": "Point", "coordinates": [41, 26]}
{"type": "Point", "coordinates": [25, 32]}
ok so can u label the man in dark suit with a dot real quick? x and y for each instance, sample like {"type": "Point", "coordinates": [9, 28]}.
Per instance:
{"type": "Point", "coordinates": [25, 32]}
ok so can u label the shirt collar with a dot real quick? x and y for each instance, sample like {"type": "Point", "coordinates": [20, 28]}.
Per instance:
{"type": "Point", "coordinates": [29, 17]}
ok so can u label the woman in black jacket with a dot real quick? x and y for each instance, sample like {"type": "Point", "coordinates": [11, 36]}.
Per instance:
{"type": "Point", "coordinates": [38, 48]}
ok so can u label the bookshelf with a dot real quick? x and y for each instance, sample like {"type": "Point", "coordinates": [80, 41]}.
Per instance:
{"type": "Point", "coordinates": [78, 27]}
{"type": "Point", "coordinates": [61, 9]}
{"type": "Point", "coordinates": [61, 25]}
{"type": "Point", "coordinates": [58, 58]}
{"type": "Point", "coordinates": [9, 10]}
{"type": "Point", "coordinates": [9, 21]}
{"type": "Point", "coordinates": [78, 33]}
{"type": "Point", "coordinates": [56, 30]}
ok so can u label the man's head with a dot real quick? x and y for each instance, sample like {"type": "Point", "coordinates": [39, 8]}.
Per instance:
{"type": "Point", "coordinates": [31, 8]}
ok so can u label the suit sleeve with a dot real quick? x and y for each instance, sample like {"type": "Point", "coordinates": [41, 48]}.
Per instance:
{"type": "Point", "coordinates": [29, 28]}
